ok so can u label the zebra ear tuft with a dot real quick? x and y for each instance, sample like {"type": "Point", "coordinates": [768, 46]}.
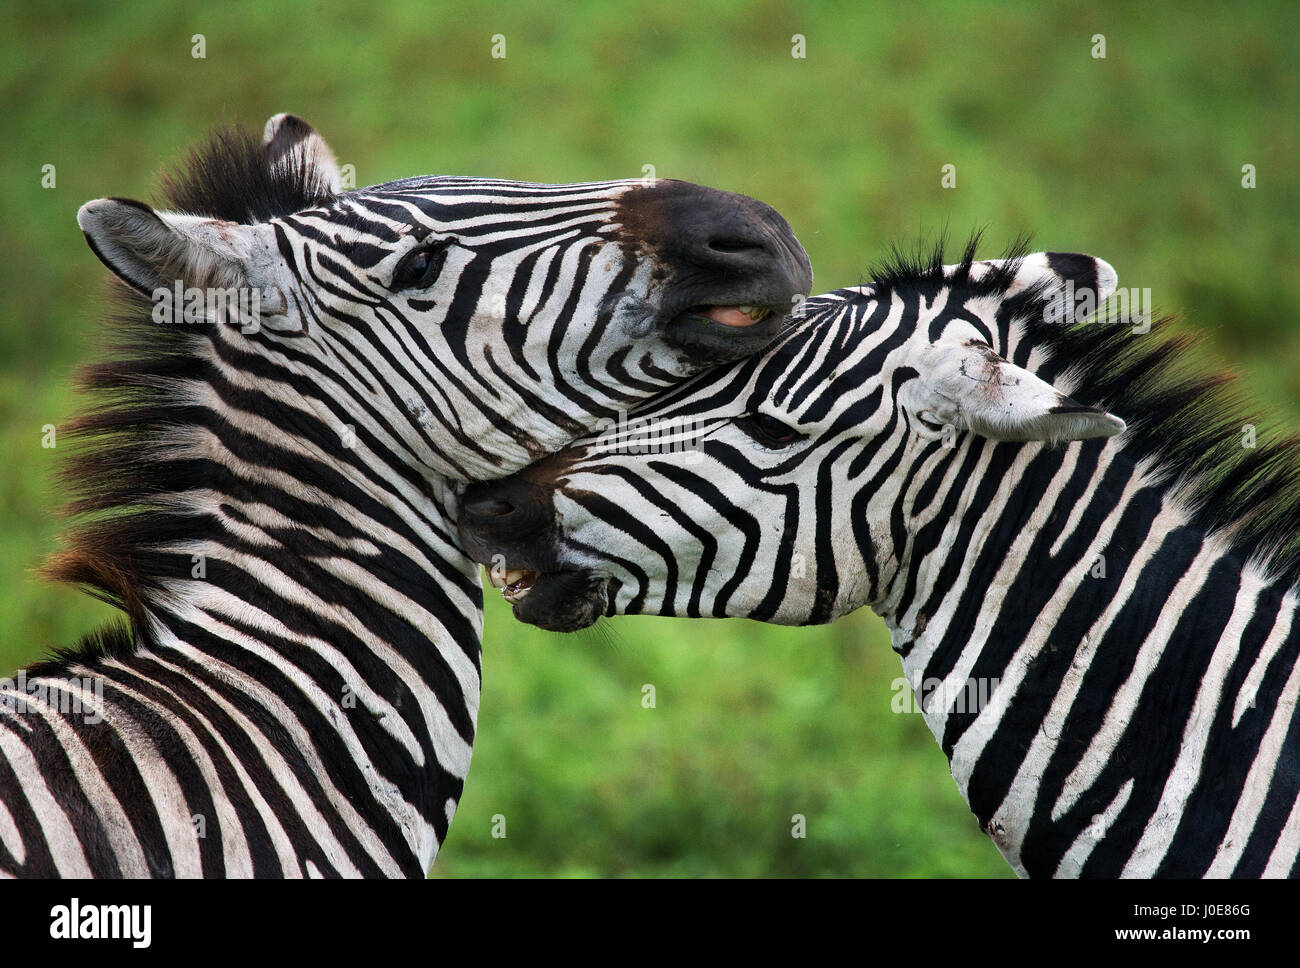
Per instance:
{"type": "Point", "coordinates": [294, 149]}
{"type": "Point", "coordinates": [973, 388]}
{"type": "Point", "coordinates": [150, 250]}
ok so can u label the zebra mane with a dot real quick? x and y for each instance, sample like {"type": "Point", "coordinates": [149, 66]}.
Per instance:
{"type": "Point", "coordinates": [235, 177]}
{"type": "Point", "coordinates": [926, 266]}
{"type": "Point", "coordinates": [119, 499]}
{"type": "Point", "coordinates": [1187, 422]}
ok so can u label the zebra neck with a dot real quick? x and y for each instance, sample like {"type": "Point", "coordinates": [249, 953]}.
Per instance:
{"type": "Point", "coordinates": [333, 581]}
{"type": "Point", "coordinates": [1112, 687]}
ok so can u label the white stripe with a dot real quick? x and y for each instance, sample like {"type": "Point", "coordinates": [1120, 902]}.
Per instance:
{"type": "Point", "coordinates": [228, 818]}
{"type": "Point", "coordinates": [995, 598]}
{"type": "Point", "coordinates": [1123, 705]}
{"type": "Point", "coordinates": [1258, 781]}
{"type": "Point", "coordinates": [1074, 859]}
{"type": "Point", "coordinates": [1163, 823]}
{"type": "Point", "coordinates": [1277, 637]}
{"type": "Point", "coordinates": [10, 837]}
{"type": "Point", "coordinates": [61, 838]}
{"type": "Point", "coordinates": [1018, 805]}
{"type": "Point", "coordinates": [103, 802]}
{"type": "Point", "coordinates": [384, 792]}
{"type": "Point", "coordinates": [165, 793]}
{"type": "Point", "coordinates": [1284, 851]}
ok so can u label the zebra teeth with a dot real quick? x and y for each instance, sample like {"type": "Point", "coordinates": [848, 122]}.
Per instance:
{"type": "Point", "coordinates": [756, 313]}
{"type": "Point", "coordinates": [518, 584]}
{"type": "Point", "coordinates": [500, 578]}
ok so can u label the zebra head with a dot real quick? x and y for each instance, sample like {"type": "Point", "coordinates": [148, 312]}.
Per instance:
{"type": "Point", "coordinates": [790, 487]}
{"type": "Point", "coordinates": [478, 324]}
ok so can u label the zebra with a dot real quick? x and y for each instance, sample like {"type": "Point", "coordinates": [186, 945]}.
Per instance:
{"type": "Point", "coordinates": [268, 488]}
{"type": "Point", "coordinates": [1052, 507]}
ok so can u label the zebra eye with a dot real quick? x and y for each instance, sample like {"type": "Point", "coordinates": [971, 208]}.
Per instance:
{"type": "Point", "coordinates": [419, 266]}
{"type": "Point", "coordinates": [768, 431]}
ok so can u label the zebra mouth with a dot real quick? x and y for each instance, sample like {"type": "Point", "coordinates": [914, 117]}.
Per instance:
{"type": "Point", "coordinates": [721, 333]}
{"type": "Point", "coordinates": [737, 317]}
{"type": "Point", "coordinates": [515, 583]}
{"type": "Point", "coordinates": [509, 527]}
{"type": "Point", "coordinates": [559, 601]}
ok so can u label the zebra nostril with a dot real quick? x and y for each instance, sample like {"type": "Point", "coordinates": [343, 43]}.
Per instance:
{"type": "Point", "coordinates": [730, 246]}
{"type": "Point", "coordinates": [490, 508]}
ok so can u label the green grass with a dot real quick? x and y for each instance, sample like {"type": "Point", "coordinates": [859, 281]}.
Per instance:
{"type": "Point", "coordinates": [1136, 158]}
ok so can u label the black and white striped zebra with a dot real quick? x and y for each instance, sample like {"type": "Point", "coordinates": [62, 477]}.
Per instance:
{"type": "Point", "coordinates": [1127, 603]}
{"type": "Point", "coordinates": [270, 486]}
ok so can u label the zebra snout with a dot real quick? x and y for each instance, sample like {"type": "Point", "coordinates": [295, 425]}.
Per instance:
{"type": "Point", "coordinates": [731, 265]}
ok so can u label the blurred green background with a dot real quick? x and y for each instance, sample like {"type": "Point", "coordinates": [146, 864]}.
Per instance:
{"type": "Point", "coordinates": [1136, 157]}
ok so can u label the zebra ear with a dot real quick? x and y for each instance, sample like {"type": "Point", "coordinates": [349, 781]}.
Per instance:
{"type": "Point", "coordinates": [970, 387]}
{"type": "Point", "coordinates": [292, 145]}
{"type": "Point", "coordinates": [1073, 285]}
{"type": "Point", "coordinates": [152, 250]}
